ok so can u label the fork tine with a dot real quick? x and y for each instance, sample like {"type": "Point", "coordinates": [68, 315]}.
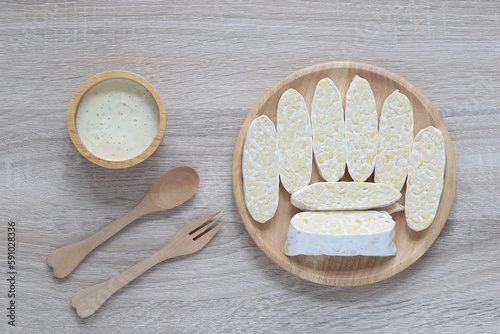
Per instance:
{"type": "Point", "coordinates": [206, 236]}
{"type": "Point", "coordinates": [203, 228]}
{"type": "Point", "coordinates": [192, 225]}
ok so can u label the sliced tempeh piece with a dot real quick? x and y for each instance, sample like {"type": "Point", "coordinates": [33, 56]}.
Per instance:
{"type": "Point", "coordinates": [360, 129]}
{"type": "Point", "coordinates": [345, 196]}
{"type": "Point", "coordinates": [344, 233]}
{"type": "Point", "coordinates": [327, 120]}
{"type": "Point", "coordinates": [260, 169]}
{"type": "Point", "coordinates": [294, 141]}
{"type": "Point", "coordinates": [425, 178]}
{"type": "Point", "coordinates": [393, 208]}
{"type": "Point", "coordinates": [395, 137]}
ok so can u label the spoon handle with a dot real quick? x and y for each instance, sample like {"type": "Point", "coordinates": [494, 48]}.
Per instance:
{"type": "Point", "coordinates": [64, 260]}
{"type": "Point", "coordinates": [90, 299]}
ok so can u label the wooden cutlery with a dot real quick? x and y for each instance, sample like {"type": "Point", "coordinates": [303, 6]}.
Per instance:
{"type": "Point", "coordinates": [190, 238]}
{"type": "Point", "coordinates": [173, 188]}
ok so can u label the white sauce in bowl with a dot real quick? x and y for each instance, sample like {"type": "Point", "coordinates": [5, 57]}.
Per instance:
{"type": "Point", "coordinates": [117, 119]}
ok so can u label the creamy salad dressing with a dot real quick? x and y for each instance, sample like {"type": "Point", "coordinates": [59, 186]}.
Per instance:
{"type": "Point", "coordinates": [117, 119]}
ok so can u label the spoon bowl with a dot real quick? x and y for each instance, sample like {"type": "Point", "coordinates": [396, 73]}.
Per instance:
{"type": "Point", "coordinates": [173, 188]}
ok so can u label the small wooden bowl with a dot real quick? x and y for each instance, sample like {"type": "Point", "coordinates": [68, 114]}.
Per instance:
{"type": "Point", "coordinates": [75, 104]}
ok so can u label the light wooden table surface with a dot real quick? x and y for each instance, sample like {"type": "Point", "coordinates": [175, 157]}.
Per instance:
{"type": "Point", "coordinates": [211, 63]}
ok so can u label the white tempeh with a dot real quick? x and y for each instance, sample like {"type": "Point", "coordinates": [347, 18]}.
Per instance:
{"type": "Point", "coordinates": [393, 208]}
{"type": "Point", "coordinates": [294, 141]}
{"type": "Point", "coordinates": [327, 120]}
{"type": "Point", "coordinates": [360, 129]}
{"type": "Point", "coordinates": [344, 233]}
{"type": "Point", "coordinates": [425, 178]}
{"type": "Point", "coordinates": [395, 137]}
{"type": "Point", "coordinates": [345, 196]}
{"type": "Point", "coordinates": [260, 169]}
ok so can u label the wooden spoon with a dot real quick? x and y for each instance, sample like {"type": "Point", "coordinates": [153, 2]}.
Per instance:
{"type": "Point", "coordinates": [171, 189]}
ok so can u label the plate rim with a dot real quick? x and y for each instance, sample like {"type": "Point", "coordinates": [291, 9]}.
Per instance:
{"type": "Point", "coordinates": [450, 170]}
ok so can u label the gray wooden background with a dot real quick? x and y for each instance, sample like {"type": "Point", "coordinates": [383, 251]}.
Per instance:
{"type": "Point", "coordinates": [211, 62]}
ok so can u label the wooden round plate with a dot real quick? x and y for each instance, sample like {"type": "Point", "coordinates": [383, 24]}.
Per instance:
{"type": "Point", "coordinates": [338, 270]}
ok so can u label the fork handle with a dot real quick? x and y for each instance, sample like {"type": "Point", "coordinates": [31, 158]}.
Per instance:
{"type": "Point", "coordinates": [90, 299]}
{"type": "Point", "coordinates": [64, 260]}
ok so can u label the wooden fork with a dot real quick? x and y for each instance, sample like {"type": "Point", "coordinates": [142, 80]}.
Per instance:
{"type": "Point", "coordinates": [190, 238]}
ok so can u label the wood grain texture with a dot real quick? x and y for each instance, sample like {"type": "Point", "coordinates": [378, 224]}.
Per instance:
{"type": "Point", "coordinates": [339, 270]}
{"type": "Point", "coordinates": [210, 63]}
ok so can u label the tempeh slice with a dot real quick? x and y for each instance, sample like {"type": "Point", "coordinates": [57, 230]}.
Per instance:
{"type": "Point", "coordinates": [425, 178]}
{"type": "Point", "coordinates": [260, 169]}
{"type": "Point", "coordinates": [360, 129]}
{"type": "Point", "coordinates": [327, 120]}
{"type": "Point", "coordinates": [342, 233]}
{"type": "Point", "coordinates": [329, 196]}
{"type": "Point", "coordinates": [294, 141]}
{"type": "Point", "coordinates": [395, 137]}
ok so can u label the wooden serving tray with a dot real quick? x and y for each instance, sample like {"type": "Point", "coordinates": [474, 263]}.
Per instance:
{"type": "Point", "coordinates": [337, 270]}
